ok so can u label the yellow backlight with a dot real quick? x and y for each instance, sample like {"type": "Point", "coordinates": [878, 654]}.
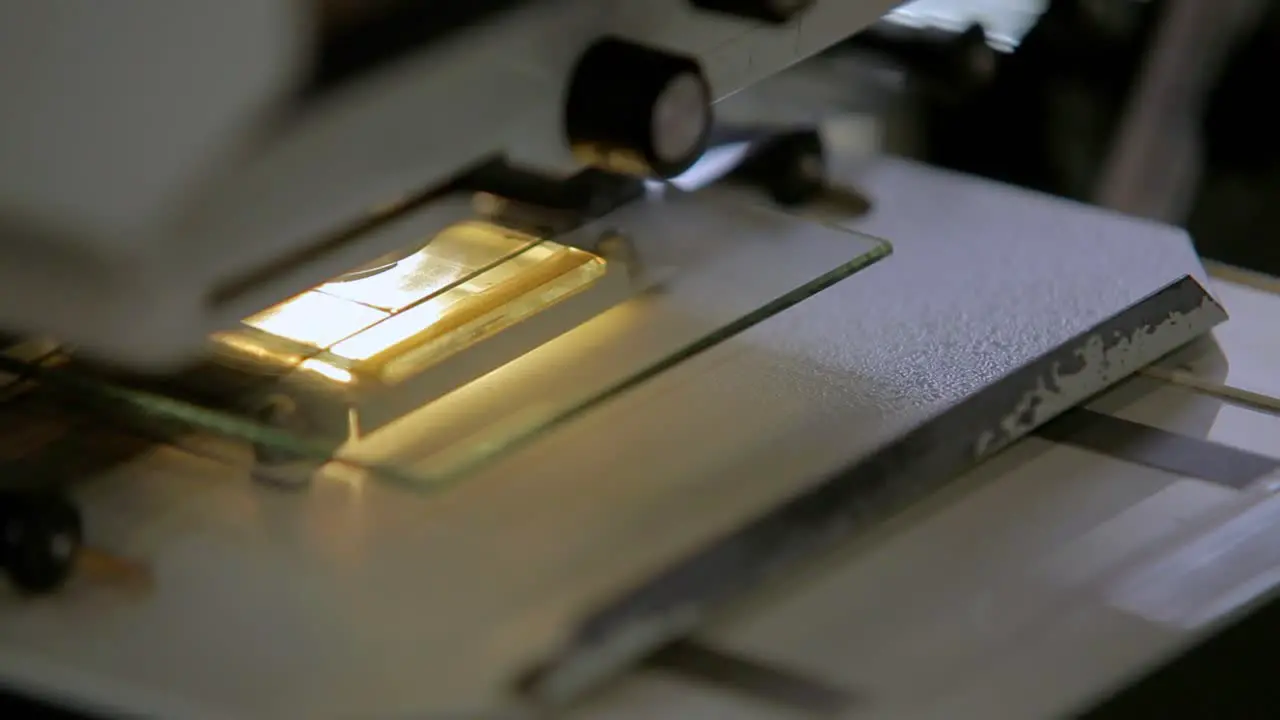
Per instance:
{"type": "Point", "coordinates": [470, 282]}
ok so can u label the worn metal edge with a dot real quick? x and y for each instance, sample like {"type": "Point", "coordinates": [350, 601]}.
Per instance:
{"type": "Point", "coordinates": [673, 603]}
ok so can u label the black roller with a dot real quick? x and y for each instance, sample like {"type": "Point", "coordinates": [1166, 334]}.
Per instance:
{"type": "Point", "coordinates": [637, 111]}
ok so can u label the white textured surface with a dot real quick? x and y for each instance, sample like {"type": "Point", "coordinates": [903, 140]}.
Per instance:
{"type": "Point", "coordinates": [362, 600]}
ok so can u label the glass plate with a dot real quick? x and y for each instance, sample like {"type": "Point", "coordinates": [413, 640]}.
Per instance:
{"type": "Point", "coordinates": [716, 267]}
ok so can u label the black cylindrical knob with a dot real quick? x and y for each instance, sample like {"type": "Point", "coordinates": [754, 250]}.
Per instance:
{"type": "Point", "coordinates": [40, 538]}
{"type": "Point", "coordinates": [637, 111]}
{"type": "Point", "coordinates": [771, 11]}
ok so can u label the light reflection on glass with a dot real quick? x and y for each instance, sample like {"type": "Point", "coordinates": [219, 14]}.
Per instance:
{"type": "Point", "coordinates": [470, 282]}
{"type": "Point", "coordinates": [456, 253]}
{"type": "Point", "coordinates": [480, 315]}
{"type": "Point", "coordinates": [315, 319]}
{"type": "Point", "coordinates": [329, 370]}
